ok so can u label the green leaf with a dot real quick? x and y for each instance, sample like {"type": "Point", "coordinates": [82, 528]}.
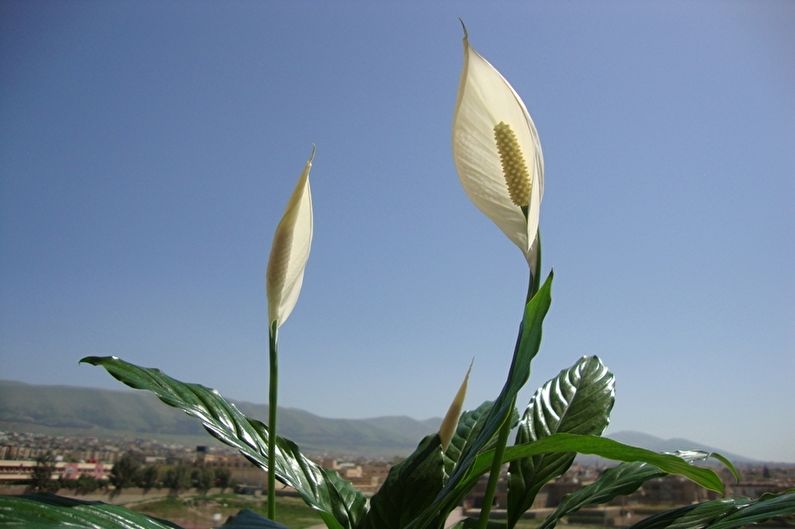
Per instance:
{"type": "Point", "coordinates": [248, 519]}
{"type": "Point", "coordinates": [336, 500]}
{"type": "Point", "coordinates": [579, 401]}
{"type": "Point", "coordinates": [725, 460]}
{"type": "Point", "coordinates": [728, 513]}
{"type": "Point", "coordinates": [470, 423]}
{"type": "Point", "coordinates": [409, 488]}
{"type": "Point", "coordinates": [766, 507]}
{"type": "Point", "coordinates": [45, 511]}
{"type": "Point", "coordinates": [527, 345]}
{"type": "Point", "coordinates": [590, 444]}
{"type": "Point", "coordinates": [600, 446]}
{"type": "Point", "coordinates": [620, 480]}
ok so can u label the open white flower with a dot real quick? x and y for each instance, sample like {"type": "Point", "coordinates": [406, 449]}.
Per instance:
{"type": "Point", "coordinates": [290, 250]}
{"type": "Point", "coordinates": [497, 152]}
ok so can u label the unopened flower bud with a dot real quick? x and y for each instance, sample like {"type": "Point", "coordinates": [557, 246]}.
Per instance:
{"type": "Point", "coordinates": [450, 422]}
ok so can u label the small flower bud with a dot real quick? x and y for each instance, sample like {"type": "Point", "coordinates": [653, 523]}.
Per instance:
{"type": "Point", "coordinates": [290, 251]}
{"type": "Point", "coordinates": [450, 422]}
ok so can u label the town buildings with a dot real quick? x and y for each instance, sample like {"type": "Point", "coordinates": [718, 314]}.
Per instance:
{"type": "Point", "coordinates": [93, 457]}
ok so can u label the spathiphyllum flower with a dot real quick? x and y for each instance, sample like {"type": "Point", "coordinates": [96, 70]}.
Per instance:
{"type": "Point", "coordinates": [497, 152]}
{"type": "Point", "coordinates": [290, 250]}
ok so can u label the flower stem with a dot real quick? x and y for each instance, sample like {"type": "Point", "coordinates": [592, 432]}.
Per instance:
{"type": "Point", "coordinates": [505, 429]}
{"type": "Point", "coordinates": [494, 473]}
{"type": "Point", "coordinates": [273, 386]}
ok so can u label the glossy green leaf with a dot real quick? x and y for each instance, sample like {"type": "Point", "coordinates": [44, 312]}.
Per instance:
{"type": "Point", "coordinates": [527, 345]}
{"type": "Point", "coordinates": [620, 480]}
{"type": "Point", "coordinates": [409, 488]}
{"type": "Point", "coordinates": [45, 511]}
{"type": "Point", "coordinates": [579, 401]}
{"type": "Point", "coordinates": [727, 513]}
{"type": "Point", "coordinates": [766, 507]}
{"type": "Point", "coordinates": [600, 446]}
{"type": "Point", "coordinates": [726, 462]}
{"type": "Point", "coordinates": [469, 425]}
{"type": "Point", "coordinates": [698, 515]}
{"type": "Point", "coordinates": [337, 502]}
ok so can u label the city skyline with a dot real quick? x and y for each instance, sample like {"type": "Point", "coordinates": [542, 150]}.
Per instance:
{"type": "Point", "coordinates": [147, 152]}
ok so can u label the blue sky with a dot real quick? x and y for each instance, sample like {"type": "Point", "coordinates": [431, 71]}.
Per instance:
{"type": "Point", "coordinates": [147, 151]}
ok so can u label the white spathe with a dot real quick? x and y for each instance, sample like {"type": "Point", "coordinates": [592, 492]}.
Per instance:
{"type": "Point", "coordinates": [485, 99]}
{"type": "Point", "coordinates": [450, 422]}
{"type": "Point", "coordinates": [290, 251]}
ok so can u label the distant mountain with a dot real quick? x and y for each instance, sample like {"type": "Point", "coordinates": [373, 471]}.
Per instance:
{"type": "Point", "coordinates": [656, 444]}
{"type": "Point", "coordinates": [78, 411]}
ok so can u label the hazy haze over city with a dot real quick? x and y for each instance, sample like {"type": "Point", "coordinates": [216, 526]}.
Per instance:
{"type": "Point", "coordinates": [147, 151]}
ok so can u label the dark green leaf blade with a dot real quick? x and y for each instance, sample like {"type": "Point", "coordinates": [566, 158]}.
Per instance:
{"type": "Point", "coordinates": [698, 515]}
{"type": "Point", "coordinates": [620, 480]}
{"type": "Point", "coordinates": [409, 488]}
{"type": "Point", "coordinates": [600, 446]}
{"type": "Point", "coordinates": [766, 507]}
{"type": "Point", "coordinates": [728, 513]}
{"type": "Point", "coordinates": [469, 425]}
{"type": "Point", "coordinates": [728, 464]}
{"type": "Point", "coordinates": [579, 401]}
{"type": "Point", "coordinates": [45, 511]}
{"type": "Point", "coordinates": [527, 346]}
{"type": "Point", "coordinates": [225, 422]}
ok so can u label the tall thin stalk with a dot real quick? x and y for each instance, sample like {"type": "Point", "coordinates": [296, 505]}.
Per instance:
{"type": "Point", "coordinates": [273, 387]}
{"type": "Point", "coordinates": [502, 437]}
{"type": "Point", "coordinates": [494, 472]}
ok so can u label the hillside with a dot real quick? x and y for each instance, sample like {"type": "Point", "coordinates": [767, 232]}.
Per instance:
{"type": "Point", "coordinates": [671, 445]}
{"type": "Point", "coordinates": [68, 410]}
{"type": "Point", "coordinates": [78, 411]}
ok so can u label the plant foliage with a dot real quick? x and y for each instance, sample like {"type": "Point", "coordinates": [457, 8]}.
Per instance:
{"type": "Point", "coordinates": [337, 502]}
{"type": "Point", "coordinates": [578, 400]}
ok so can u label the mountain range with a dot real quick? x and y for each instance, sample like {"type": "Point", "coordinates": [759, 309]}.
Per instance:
{"type": "Point", "coordinates": [91, 412]}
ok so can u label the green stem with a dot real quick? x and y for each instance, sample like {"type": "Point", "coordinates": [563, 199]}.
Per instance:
{"type": "Point", "coordinates": [535, 278]}
{"type": "Point", "coordinates": [505, 429]}
{"type": "Point", "coordinates": [273, 386]}
{"type": "Point", "coordinates": [494, 473]}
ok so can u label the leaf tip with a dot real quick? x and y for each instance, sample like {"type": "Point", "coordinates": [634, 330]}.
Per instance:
{"type": "Point", "coordinates": [450, 422]}
{"type": "Point", "coordinates": [728, 464]}
{"type": "Point", "coordinates": [463, 27]}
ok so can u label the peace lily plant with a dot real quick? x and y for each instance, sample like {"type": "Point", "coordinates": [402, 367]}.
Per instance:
{"type": "Point", "coordinates": [498, 157]}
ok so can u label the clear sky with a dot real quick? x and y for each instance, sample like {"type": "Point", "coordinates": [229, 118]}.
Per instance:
{"type": "Point", "coordinates": [147, 151]}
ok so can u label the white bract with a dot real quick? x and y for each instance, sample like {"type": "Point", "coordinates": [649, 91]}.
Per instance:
{"type": "Point", "coordinates": [290, 251]}
{"type": "Point", "coordinates": [450, 421]}
{"type": "Point", "coordinates": [497, 152]}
